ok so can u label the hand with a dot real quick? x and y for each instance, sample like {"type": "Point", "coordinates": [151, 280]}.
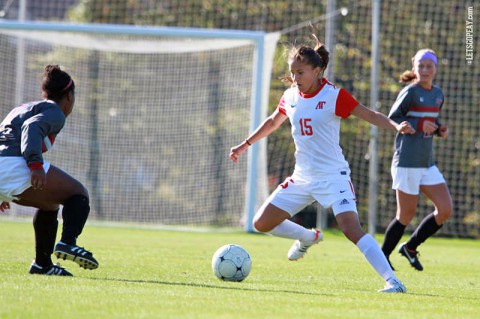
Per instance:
{"type": "Point", "coordinates": [443, 131]}
{"type": "Point", "coordinates": [405, 128]}
{"type": "Point", "coordinates": [429, 127]}
{"type": "Point", "coordinates": [4, 206]}
{"type": "Point", "coordinates": [236, 151]}
{"type": "Point", "coordinates": [38, 179]}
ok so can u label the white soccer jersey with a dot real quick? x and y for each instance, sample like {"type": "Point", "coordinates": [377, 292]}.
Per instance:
{"type": "Point", "coordinates": [315, 120]}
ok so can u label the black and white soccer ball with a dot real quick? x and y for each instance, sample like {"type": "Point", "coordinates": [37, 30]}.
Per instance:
{"type": "Point", "coordinates": [231, 263]}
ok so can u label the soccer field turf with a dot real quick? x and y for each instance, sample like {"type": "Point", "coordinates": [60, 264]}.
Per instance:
{"type": "Point", "coordinates": [146, 273]}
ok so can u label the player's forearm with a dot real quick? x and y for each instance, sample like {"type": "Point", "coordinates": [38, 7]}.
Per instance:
{"type": "Point", "coordinates": [382, 121]}
{"type": "Point", "coordinates": [265, 129]}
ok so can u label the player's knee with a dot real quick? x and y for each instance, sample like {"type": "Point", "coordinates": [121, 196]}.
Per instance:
{"type": "Point", "coordinates": [405, 216]}
{"type": "Point", "coordinates": [48, 206]}
{"type": "Point", "coordinates": [78, 200]}
{"type": "Point", "coordinates": [84, 191]}
{"type": "Point", "coordinates": [74, 188]}
{"type": "Point", "coordinates": [447, 212]}
{"type": "Point", "coordinates": [354, 234]}
{"type": "Point", "coordinates": [260, 225]}
{"type": "Point", "coordinates": [444, 213]}
{"type": "Point", "coordinates": [78, 189]}
{"type": "Point", "coordinates": [350, 227]}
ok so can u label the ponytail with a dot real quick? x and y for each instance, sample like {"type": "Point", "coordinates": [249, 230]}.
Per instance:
{"type": "Point", "coordinates": [407, 76]}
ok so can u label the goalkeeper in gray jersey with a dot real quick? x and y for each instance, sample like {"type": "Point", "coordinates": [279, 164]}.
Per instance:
{"type": "Point", "coordinates": [26, 179]}
{"type": "Point", "coordinates": [413, 166]}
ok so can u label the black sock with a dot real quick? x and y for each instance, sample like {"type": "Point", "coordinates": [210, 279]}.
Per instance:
{"type": "Point", "coordinates": [45, 224]}
{"type": "Point", "coordinates": [428, 226]}
{"type": "Point", "coordinates": [75, 213]}
{"type": "Point", "coordinates": [393, 234]}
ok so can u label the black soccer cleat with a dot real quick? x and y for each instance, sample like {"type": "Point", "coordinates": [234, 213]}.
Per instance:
{"type": "Point", "coordinates": [411, 255]}
{"type": "Point", "coordinates": [81, 256]}
{"type": "Point", "coordinates": [53, 270]}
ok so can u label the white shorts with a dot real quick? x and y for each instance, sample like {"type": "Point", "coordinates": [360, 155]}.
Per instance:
{"type": "Point", "coordinates": [409, 179]}
{"type": "Point", "coordinates": [295, 194]}
{"type": "Point", "coordinates": [15, 177]}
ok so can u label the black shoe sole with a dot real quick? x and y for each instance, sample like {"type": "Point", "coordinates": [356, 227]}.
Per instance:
{"type": "Point", "coordinates": [81, 261]}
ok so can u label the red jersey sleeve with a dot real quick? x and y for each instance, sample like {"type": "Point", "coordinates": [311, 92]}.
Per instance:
{"type": "Point", "coordinates": [281, 106]}
{"type": "Point", "coordinates": [345, 104]}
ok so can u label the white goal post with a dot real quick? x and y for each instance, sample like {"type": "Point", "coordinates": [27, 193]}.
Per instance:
{"type": "Point", "coordinates": [176, 52]}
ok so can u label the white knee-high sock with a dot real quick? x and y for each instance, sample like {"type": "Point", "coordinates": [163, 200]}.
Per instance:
{"type": "Point", "coordinates": [372, 252]}
{"type": "Point", "coordinates": [289, 229]}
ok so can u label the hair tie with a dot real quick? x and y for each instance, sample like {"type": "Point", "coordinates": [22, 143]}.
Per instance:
{"type": "Point", "coordinates": [68, 85]}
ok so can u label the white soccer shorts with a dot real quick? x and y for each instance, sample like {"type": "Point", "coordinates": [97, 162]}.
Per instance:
{"type": "Point", "coordinates": [409, 179]}
{"type": "Point", "coordinates": [15, 177]}
{"type": "Point", "coordinates": [295, 194]}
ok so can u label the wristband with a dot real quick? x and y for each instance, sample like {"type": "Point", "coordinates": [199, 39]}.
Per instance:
{"type": "Point", "coordinates": [246, 141]}
{"type": "Point", "coordinates": [35, 166]}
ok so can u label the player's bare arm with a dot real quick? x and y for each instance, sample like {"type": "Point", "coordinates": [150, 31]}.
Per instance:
{"type": "Point", "coordinates": [380, 120]}
{"type": "Point", "coordinates": [268, 126]}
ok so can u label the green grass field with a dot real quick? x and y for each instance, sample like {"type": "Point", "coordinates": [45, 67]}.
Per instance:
{"type": "Point", "coordinates": [147, 273]}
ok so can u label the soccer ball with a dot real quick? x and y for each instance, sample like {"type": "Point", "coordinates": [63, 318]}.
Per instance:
{"type": "Point", "coordinates": [231, 263]}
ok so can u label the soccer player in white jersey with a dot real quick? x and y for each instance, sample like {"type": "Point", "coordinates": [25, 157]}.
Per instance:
{"type": "Point", "coordinates": [315, 108]}
{"type": "Point", "coordinates": [413, 166]}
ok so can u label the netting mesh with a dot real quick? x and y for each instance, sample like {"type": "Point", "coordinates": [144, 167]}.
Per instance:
{"type": "Point", "coordinates": [150, 132]}
{"type": "Point", "coordinates": [405, 27]}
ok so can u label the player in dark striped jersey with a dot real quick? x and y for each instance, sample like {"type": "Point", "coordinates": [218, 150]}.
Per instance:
{"type": "Point", "coordinates": [413, 165]}
{"type": "Point", "coordinates": [26, 179]}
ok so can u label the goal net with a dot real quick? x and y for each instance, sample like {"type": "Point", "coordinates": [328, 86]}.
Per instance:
{"type": "Point", "coordinates": [157, 111]}
{"type": "Point", "coordinates": [405, 26]}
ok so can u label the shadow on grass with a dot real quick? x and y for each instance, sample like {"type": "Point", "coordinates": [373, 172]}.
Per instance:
{"type": "Point", "coordinates": [418, 294]}
{"type": "Point", "coordinates": [157, 282]}
{"type": "Point", "coordinates": [190, 284]}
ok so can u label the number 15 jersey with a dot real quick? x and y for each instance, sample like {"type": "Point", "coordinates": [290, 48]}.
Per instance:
{"type": "Point", "coordinates": [315, 120]}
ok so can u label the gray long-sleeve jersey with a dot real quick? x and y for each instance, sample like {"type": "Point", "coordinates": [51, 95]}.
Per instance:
{"type": "Point", "coordinates": [416, 105]}
{"type": "Point", "coordinates": [30, 129]}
